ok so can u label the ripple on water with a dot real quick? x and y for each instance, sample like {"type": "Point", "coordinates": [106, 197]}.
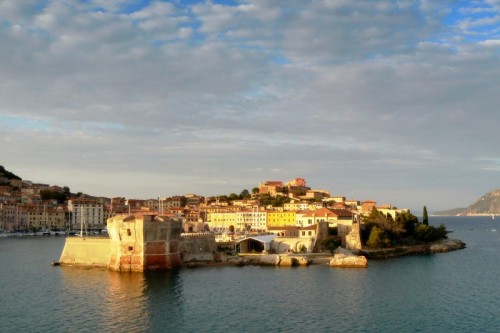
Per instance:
{"type": "Point", "coordinates": [441, 293]}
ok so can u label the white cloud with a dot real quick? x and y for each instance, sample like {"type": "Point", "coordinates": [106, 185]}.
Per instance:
{"type": "Point", "coordinates": [346, 93]}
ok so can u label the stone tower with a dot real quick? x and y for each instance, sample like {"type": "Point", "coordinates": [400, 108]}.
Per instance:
{"type": "Point", "coordinates": [144, 242]}
{"type": "Point", "coordinates": [353, 238]}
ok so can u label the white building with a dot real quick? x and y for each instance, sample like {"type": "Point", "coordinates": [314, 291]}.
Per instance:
{"type": "Point", "coordinates": [87, 213]}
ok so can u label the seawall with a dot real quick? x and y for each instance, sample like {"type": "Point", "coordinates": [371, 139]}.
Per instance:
{"type": "Point", "coordinates": [86, 251]}
{"type": "Point", "coordinates": [198, 247]}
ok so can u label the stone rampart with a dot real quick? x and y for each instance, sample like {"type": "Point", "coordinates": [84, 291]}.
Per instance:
{"type": "Point", "coordinates": [198, 247]}
{"type": "Point", "coordinates": [89, 251]}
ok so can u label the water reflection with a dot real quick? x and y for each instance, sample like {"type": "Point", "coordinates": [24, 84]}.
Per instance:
{"type": "Point", "coordinates": [165, 300]}
{"type": "Point", "coordinates": [113, 301]}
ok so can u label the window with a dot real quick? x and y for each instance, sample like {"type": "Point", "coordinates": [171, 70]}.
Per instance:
{"type": "Point", "coordinates": [129, 233]}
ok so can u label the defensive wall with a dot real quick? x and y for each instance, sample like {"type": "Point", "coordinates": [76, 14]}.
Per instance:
{"type": "Point", "coordinates": [139, 242]}
{"type": "Point", "coordinates": [198, 247]}
{"type": "Point", "coordinates": [86, 251]}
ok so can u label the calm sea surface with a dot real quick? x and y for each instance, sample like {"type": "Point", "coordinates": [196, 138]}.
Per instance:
{"type": "Point", "coordinates": [453, 292]}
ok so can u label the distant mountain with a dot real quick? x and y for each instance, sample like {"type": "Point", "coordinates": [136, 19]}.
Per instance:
{"type": "Point", "coordinates": [487, 204]}
{"type": "Point", "coordinates": [451, 212]}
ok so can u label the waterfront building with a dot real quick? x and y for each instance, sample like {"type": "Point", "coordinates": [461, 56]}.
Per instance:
{"type": "Point", "coordinates": [9, 216]}
{"type": "Point", "coordinates": [330, 216]}
{"type": "Point", "coordinates": [221, 221]}
{"type": "Point", "coordinates": [251, 220]}
{"type": "Point", "coordinates": [44, 217]}
{"type": "Point", "coordinates": [86, 212]}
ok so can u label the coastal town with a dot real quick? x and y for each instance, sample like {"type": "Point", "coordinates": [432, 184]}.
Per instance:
{"type": "Point", "coordinates": [34, 208]}
{"type": "Point", "coordinates": [275, 217]}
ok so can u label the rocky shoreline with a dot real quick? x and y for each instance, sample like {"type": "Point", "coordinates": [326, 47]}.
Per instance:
{"type": "Point", "coordinates": [441, 246]}
{"type": "Point", "coordinates": [342, 258]}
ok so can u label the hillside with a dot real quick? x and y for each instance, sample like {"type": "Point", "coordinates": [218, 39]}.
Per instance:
{"type": "Point", "coordinates": [487, 204]}
{"type": "Point", "coordinates": [7, 174]}
{"type": "Point", "coordinates": [451, 212]}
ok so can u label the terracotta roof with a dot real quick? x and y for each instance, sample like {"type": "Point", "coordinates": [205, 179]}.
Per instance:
{"type": "Point", "coordinates": [311, 227]}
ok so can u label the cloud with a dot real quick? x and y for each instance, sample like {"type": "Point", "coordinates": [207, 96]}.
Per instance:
{"type": "Point", "coordinates": [215, 97]}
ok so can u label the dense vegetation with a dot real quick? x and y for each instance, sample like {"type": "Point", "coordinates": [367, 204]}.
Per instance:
{"type": "Point", "coordinates": [277, 201]}
{"type": "Point", "coordinates": [55, 195]}
{"type": "Point", "coordinates": [8, 174]}
{"type": "Point", "coordinates": [264, 199]}
{"type": "Point", "coordinates": [384, 231]}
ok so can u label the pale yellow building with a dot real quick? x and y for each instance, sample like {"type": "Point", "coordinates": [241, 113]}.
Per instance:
{"type": "Point", "coordinates": [221, 221]}
{"type": "Point", "coordinates": [251, 220]}
{"type": "Point", "coordinates": [296, 206]}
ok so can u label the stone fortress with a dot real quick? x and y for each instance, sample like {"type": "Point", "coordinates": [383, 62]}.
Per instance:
{"type": "Point", "coordinates": [147, 241]}
{"type": "Point", "coordinates": [138, 243]}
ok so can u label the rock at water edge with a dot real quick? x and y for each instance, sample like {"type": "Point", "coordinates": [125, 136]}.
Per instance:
{"type": "Point", "coordinates": [342, 260]}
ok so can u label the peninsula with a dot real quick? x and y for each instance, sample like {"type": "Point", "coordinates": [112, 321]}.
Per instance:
{"type": "Point", "coordinates": [276, 218]}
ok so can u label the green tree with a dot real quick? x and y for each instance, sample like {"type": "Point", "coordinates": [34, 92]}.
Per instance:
{"type": "Point", "coordinates": [8, 174]}
{"type": "Point", "coordinates": [52, 195]}
{"type": "Point", "coordinates": [378, 238]}
{"type": "Point", "coordinates": [425, 218]}
{"type": "Point", "coordinates": [406, 222]}
{"type": "Point", "coordinates": [428, 233]}
{"type": "Point", "coordinates": [331, 243]}
{"type": "Point", "coordinates": [66, 191]}
{"type": "Point", "coordinates": [255, 190]}
{"type": "Point", "coordinates": [245, 194]}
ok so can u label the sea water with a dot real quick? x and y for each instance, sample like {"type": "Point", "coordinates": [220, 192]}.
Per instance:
{"type": "Point", "coordinates": [452, 292]}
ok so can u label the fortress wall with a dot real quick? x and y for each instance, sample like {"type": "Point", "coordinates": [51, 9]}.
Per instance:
{"type": "Point", "coordinates": [198, 247]}
{"type": "Point", "coordinates": [86, 251]}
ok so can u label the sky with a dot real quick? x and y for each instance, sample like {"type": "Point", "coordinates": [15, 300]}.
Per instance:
{"type": "Point", "coordinates": [391, 101]}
